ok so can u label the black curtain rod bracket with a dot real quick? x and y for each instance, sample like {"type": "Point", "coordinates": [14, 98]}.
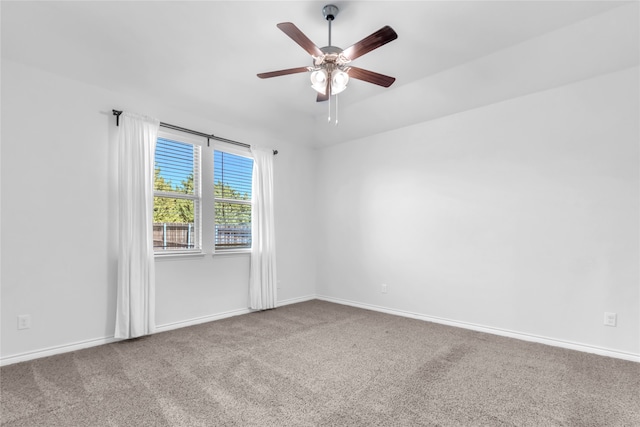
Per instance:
{"type": "Point", "coordinates": [117, 114]}
{"type": "Point", "coordinates": [193, 132]}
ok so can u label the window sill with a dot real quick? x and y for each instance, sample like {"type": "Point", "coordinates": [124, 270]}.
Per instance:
{"type": "Point", "coordinates": [175, 255]}
{"type": "Point", "coordinates": [232, 252]}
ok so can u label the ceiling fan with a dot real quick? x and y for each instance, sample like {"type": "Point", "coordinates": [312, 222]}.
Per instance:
{"type": "Point", "coordinates": [331, 71]}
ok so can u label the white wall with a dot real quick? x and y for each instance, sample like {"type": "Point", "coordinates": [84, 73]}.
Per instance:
{"type": "Point", "coordinates": [59, 211]}
{"type": "Point", "coordinates": [520, 216]}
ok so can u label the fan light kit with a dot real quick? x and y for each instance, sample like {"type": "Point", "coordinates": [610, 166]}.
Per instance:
{"type": "Point", "coordinates": [330, 72]}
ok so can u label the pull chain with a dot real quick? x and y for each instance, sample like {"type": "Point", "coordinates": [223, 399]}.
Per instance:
{"type": "Point", "coordinates": [329, 112]}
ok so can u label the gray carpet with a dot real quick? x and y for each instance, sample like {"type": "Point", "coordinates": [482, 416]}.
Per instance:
{"type": "Point", "coordinates": [321, 364]}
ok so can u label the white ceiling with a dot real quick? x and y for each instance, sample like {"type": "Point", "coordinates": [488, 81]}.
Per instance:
{"type": "Point", "coordinates": [202, 57]}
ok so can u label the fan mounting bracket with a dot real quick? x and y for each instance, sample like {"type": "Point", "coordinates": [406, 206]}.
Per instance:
{"type": "Point", "coordinates": [330, 12]}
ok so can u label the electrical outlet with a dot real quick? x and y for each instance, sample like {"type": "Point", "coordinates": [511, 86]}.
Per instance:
{"type": "Point", "coordinates": [610, 319]}
{"type": "Point", "coordinates": [384, 288]}
{"type": "Point", "coordinates": [24, 321]}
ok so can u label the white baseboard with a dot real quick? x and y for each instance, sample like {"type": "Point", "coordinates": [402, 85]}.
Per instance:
{"type": "Point", "coordinates": [495, 331]}
{"type": "Point", "coordinates": [296, 300]}
{"type": "Point", "coordinates": [203, 319]}
{"type": "Point", "coordinates": [224, 315]}
{"type": "Point", "coordinates": [52, 351]}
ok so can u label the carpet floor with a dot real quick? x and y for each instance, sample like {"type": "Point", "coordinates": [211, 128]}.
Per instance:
{"type": "Point", "coordinates": [321, 364]}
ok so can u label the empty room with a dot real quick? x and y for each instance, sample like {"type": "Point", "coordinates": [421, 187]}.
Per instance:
{"type": "Point", "coordinates": [304, 213]}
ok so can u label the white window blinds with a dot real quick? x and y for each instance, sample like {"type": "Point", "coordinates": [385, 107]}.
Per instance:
{"type": "Point", "coordinates": [232, 199]}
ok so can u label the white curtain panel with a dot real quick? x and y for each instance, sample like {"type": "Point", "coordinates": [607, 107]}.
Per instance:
{"type": "Point", "coordinates": [135, 311]}
{"type": "Point", "coordinates": [262, 282]}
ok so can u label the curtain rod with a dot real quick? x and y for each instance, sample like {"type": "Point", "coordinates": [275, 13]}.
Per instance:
{"type": "Point", "coordinates": [193, 132]}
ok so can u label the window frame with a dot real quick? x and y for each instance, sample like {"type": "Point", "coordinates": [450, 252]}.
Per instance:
{"type": "Point", "coordinates": [236, 151]}
{"type": "Point", "coordinates": [197, 195]}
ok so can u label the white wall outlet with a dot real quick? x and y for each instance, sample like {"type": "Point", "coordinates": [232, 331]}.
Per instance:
{"type": "Point", "coordinates": [610, 319]}
{"type": "Point", "coordinates": [24, 321]}
{"type": "Point", "coordinates": [384, 288]}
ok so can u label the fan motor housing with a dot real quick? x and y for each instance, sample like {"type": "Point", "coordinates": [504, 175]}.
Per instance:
{"type": "Point", "coordinates": [328, 50]}
{"type": "Point", "coordinates": [332, 55]}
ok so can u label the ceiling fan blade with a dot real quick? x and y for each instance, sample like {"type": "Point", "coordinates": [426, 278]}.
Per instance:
{"type": "Point", "coordinates": [327, 92]}
{"type": "Point", "coordinates": [283, 72]}
{"type": "Point", "coordinates": [371, 77]}
{"type": "Point", "coordinates": [381, 37]}
{"type": "Point", "coordinates": [298, 36]}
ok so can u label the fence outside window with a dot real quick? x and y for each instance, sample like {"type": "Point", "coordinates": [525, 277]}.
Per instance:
{"type": "Point", "coordinates": [233, 236]}
{"type": "Point", "coordinates": [172, 236]}
{"type": "Point", "coordinates": [169, 236]}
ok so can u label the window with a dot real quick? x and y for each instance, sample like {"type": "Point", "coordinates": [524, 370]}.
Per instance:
{"type": "Point", "coordinates": [177, 196]}
{"type": "Point", "coordinates": [232, 199]}
{"type": "Point", "coordinates": [200, 191]}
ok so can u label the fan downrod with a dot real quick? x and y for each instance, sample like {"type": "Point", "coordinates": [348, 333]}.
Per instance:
{"type": "Point", "coordinates": [330, 12]}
